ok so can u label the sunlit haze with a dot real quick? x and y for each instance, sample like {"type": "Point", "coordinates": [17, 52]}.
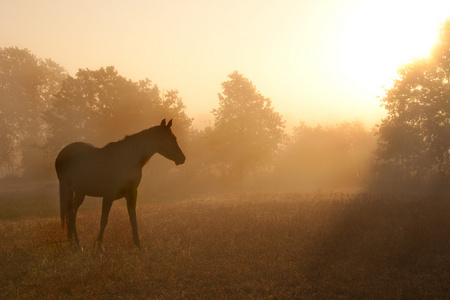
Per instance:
{"type": "Point", "coordinates": [318, 61]}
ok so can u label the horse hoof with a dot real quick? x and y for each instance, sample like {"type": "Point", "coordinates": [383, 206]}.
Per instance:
{"type": "Point", "coordinates": [77, 247]}
{"type": "Point", "coordinates": [99, 247]}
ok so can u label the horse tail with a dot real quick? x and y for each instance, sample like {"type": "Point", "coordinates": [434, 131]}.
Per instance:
{"type": "Point", "coordinates": [65, 203]}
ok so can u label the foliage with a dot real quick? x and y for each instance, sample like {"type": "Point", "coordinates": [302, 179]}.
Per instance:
{"type": "Point", "coordinates": [42, 108]}
{"type": "Point", "coordinates": [247, 130]}
{"type": "Point", "coordinates": [414, 143]}
{"type": "Point", "coordinates": [102, 106]}
{"type": "Point", "coordinates": [26, 86]}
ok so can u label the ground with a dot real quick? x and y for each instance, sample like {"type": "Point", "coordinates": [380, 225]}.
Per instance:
{"type": "Point", "coordinates": [230, 246]}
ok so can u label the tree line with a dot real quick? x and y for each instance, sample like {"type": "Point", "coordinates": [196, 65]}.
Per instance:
{"type": "Point", "coordinates": [43, 108]}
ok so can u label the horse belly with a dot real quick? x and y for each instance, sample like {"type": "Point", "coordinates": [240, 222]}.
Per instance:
{"type": "Point", "coordinates": [105, 181]}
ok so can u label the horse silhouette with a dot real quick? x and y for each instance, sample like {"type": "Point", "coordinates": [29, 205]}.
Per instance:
{"type": "Point", "coordinates": [111, 172]}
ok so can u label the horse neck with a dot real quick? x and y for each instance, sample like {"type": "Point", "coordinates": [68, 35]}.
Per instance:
{"type": "Point", "coordinates": [142, 146]}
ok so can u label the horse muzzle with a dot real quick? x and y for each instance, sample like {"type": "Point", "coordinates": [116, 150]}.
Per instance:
{"type": "Point", "coordinates": [180, 161]}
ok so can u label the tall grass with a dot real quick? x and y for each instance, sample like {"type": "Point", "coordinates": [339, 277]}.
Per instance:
{"type": "Point", "coordinates": [243, 246]}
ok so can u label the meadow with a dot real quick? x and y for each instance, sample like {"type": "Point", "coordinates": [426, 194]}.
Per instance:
{"type": "Point", "coordinates": [229, 246]}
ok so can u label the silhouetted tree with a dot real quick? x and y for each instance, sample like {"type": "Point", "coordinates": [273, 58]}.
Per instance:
{"type": "Point", "coordinates": [414, 139]}
{"type": "Point", "coordinates": [102, 106]}
{"type": "Point", "coordinates": [247, 130]}
{"type": "Point", "coordinates": [26, 86]}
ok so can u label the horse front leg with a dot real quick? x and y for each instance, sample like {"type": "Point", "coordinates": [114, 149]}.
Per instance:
{"type": "Point", "coordinates": [131, 206]}
{"type": "Point", "coordinates": [106, 207]}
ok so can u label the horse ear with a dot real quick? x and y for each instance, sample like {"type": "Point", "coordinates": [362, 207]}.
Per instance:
{"type": "Point", "coordinates": [163, 122]}
{"type": "Point", "coordinates": [169, 124]}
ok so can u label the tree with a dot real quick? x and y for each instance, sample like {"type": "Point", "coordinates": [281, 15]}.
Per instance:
{"type": "Point", "coordinates": [247, 130]}
{"type": "Point", "coordinates": [26, 85]}
{"type": "Point", "coordinates": [102, 106]}
{"type": "Point", "coordinates": [414, 139]}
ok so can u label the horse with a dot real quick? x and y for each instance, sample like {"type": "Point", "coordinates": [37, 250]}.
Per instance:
{"type": "Point", "coordinates": [111, 172]}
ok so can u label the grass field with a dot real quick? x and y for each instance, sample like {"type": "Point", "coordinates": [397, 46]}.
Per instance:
{"type": "Point", "coordinates": [240, 246]}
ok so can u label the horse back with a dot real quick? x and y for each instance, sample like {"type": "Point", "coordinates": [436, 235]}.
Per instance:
{"type": "Point", "coordinates": [69, 154]}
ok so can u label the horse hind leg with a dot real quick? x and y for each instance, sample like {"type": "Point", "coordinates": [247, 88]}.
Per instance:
{"type": "Point", "coordinates": [65, 203]}
{"type": "Point", "coordinates": [72, 233]}
{"type": "Point", "coordinates": [68, 214]}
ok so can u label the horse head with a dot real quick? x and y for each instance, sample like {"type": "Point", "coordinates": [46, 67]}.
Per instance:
{"type": "Point", "coordinates": [168, 146]}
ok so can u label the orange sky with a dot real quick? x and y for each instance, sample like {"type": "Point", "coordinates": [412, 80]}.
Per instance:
{"type": "Point", "coordinates": [319, 61]}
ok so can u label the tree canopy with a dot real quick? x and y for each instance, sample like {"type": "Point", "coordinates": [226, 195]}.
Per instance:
{"type": "Point", "coordinates": [44, 108]}
{"type": "Point", "coordinates": [26, 86]}
{"type": "Point", "coordinates": [247, 129]}
{"type": "Point", "coordinates": [101, 106]}
{"type": "Point", "coordinates": [414, 139]}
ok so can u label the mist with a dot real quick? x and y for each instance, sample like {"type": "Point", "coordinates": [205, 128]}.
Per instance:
{"type": "Point", "coordinates": [243, 145]}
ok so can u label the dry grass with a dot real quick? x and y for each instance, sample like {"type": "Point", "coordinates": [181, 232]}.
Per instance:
{"type": "Point", "coordinates": [267, 246]}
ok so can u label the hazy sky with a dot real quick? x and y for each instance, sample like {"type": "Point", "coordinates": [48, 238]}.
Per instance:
{"type": "Point", "coordinates": [318, 60]}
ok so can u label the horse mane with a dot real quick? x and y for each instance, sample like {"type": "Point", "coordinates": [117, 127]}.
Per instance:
{"type": "Point", "coordinates": [130, 138]}
{"type": "Point", "coordinates": [138, 134]}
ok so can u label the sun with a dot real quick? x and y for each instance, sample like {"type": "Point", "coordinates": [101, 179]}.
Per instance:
{"type": "Point", "coordinates": [377, 37]}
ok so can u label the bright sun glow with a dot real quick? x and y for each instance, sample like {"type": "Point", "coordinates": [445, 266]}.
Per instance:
{"type": "Point", "coordinates": [339, 61]}
{"type": "Point", "coordinates": [379, 36]}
